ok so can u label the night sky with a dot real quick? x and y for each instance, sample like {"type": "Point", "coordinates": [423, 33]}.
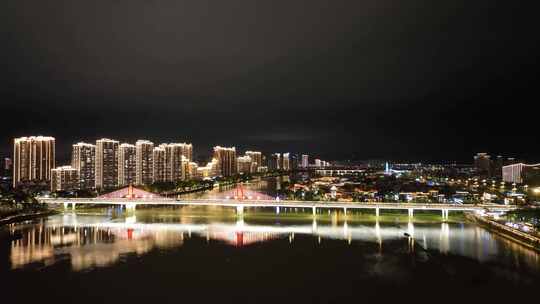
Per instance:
{"type": "Point", "coordinates": [415, 79]}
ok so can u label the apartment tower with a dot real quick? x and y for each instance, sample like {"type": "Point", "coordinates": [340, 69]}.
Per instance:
{"type": "Point", "coordinates": [83, 159]}
{"type": "Point", "coordinates": [106, 163]}
{"type": "Point", "coordinates": [33, 159]}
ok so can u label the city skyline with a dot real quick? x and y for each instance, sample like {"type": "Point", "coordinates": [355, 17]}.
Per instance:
{"type": "Point", "coordinates": [109, 163]}
{"type": "Point", "coordinates": [64, 154]}
{"type": "Point", "coordinates": [64, 151]}
{"type": "Point", "coordinates": [203, 154]}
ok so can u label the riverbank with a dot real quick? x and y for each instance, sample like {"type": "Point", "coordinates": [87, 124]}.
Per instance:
{"type": "Point", "coordinates": [513, 234]}
{"type": "Point", "coordinates": [25, 216]}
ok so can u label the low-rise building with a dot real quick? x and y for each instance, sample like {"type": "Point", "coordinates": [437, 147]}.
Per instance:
{"type": "Point", "coordinates": [64, 178]}
{"type": "Point", "coordinates": [244, 164]}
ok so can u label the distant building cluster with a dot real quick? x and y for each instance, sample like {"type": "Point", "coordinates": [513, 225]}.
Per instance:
{"type": "Point", "coordinates": [510, 170]}
{"type": "Point", "coordinates": [491, 167]}
{"type": "Point", "coordinates": [109, 164]}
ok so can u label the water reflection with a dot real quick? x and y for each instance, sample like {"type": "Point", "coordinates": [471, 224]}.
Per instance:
{"type": "Point", "coordinates": [99, 241]}
{"type": "Point", "coordinates": [85, 246]}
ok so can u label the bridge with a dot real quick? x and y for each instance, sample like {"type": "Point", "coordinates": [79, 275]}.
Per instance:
{"type": "Point", "coordinates": [240, 199]}
{"type": "Point", "coordinates": [240, 205]}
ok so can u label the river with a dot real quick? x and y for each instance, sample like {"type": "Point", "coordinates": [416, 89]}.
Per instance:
{"type": "Point", "coordinates": [209, 254]}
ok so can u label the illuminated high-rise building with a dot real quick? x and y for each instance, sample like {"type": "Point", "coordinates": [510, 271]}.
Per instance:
{"type": "Point", "coordinates": [285, 162]}
{"type": "Point", "coordinates": [33, 158]}
{"type": "Point", "coordinates": [305, 161]}
{"type": "Point", "coordinates": [64, 178]}
{"type": "Point", "coordinates": [274, 162]}
{"type": "Point", "coordinates": [145, 162]}
{"type": "Point", "coordinates": [127, 164]}
{"type": "Point", "coordinates": [521, 173]}
{"type": "Point", "coordinates": [177, 158]}
{"type": "Point", "coordinates": [256, 158]}
{"type": "Point", "coordinates": [187, 150]}
{"type": "Point", "coordinates": [226, 158]}
{"type": "Point", "coordinates": [159, 164]}
{"type": "Point", "coordinates": [106, 163]}
{"type": "Point", "coordinates": [83, 159]}
{"type": "Point", "coordinates": [244, 164]}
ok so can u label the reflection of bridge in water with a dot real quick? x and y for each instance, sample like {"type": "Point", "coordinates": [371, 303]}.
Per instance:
{"type": "Point", "coordinates": [240, 233]}
{"type": "Point", "coordinates": [97, 241]}
{"type": "Point", "coordinates": [344, 231]}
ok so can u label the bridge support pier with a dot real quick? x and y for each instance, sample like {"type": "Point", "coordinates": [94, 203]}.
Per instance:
{"type": "Point", "coordinates": [66, 205]}
{"type": "Point", "coordinates": [345, 211]}
{"type": "Point", "coordinates": [411, 212]}
{"type": "Point", "coordinates": [239, 210]}
{"type": "Point", "coordinates": [314, 209]}
{"type": "Point", "coordinates": [277, 210]}
{"type": "Point", "coordinates": [72, 206]}
{"type": "Point", "coordinates": [377, 211]}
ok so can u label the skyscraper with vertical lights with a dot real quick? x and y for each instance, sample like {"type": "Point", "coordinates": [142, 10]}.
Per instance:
{"type": "Point", "coordinates": [226, 159]}
{"type": "Point", "coordinates": [256, 158]}
{"type": "Point", "coordinates": [274, 162]}
{"type": "Point", "coordinates": [244, 164]}
{"type": "Point", "coordinates": [285, 162]}
{"type": "Point", "coordinates": [305, 161]}
{"type": "Point", "coordinates": [83, 159]}
{"type": "Point", "coordinates": [126, 164]}
{"type": "Point", "coordinates": [158, 164]}
{"type": "Point", "coordinates": [187, 150]}
{"type": "Point", "coordinates": [177, 158]}
{"type": "Point", "coordinates": [33, 159]}
{"type": "Point", "coordinates": [144, 163]}
{"type": "Point", "coordinates": [106, 163]}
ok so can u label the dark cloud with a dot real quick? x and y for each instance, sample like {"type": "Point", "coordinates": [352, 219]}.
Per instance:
{"type": "Point", "coordinates": [392, 79]}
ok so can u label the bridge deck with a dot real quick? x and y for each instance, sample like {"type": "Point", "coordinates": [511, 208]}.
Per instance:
{"type": "Point", "coordinates": [274, 203]}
